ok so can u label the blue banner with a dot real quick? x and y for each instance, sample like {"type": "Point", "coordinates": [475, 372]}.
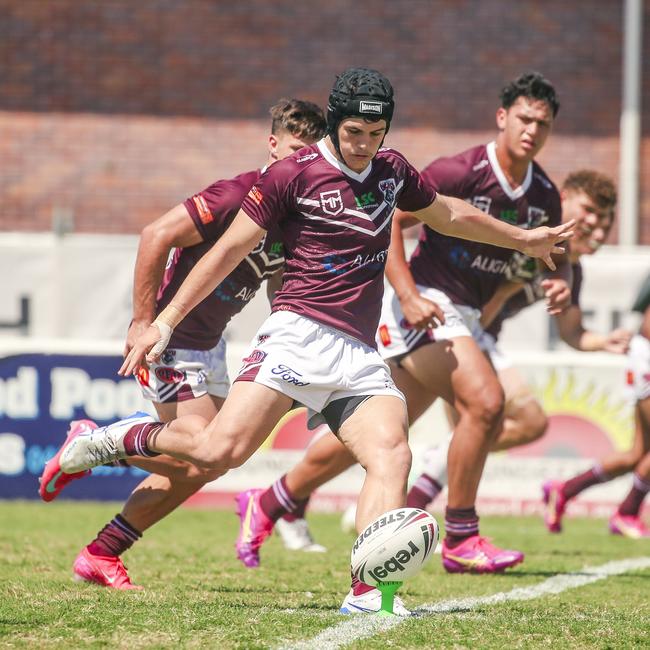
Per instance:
{"type": "Point", "coordinates": [39, 395]}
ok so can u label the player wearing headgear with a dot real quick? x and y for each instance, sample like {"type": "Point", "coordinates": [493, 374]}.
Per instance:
{"type": "Point", "coordinates": [432, 311]}
{"type": "Point", "coordinates": [191, 377]}
{"type": "Point", "coordinates": [627, 518]}
{"type": "Point", "coordinates": [318, 345]}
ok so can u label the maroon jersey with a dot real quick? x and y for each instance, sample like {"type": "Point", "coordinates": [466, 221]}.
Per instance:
{"type": "Point", "coordinates": [530, 293]}
{"type": "Point", "coordinates": [335, 227]}
{"type": "Point", "coordinates": [469, 272]}
{"type": "Point", "coordinates": [212, 211]}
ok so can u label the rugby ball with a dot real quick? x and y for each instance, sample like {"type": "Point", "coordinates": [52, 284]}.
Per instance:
{"type": "Point", "coordinates": [395, 546]}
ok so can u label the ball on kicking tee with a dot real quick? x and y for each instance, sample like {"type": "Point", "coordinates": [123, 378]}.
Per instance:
{"type": "Point", "coordinates": [395, 546]}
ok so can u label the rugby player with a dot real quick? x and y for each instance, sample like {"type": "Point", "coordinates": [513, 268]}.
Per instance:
{"type": "Point", "coordinates": [191, 377]}
{"type": "Point", "coordinates": [626, 520]}
{"type": "Point", "coordinates": [589, 199]}
{"type": "Point", "coordinates": [318, 345]}
{"type": "Point", "coordinates": [432, 310]}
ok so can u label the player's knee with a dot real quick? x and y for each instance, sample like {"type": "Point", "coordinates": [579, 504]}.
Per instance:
{"type": "Point", "coordinates": [391, 456]}
{"type": "Point", "coordinates": [487, 406]}
{"type": "Point", "coordinates": [534, 423]}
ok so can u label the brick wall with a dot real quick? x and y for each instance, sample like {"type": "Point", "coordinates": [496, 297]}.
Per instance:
{"type": "Point", "coordinates": [112, 111]}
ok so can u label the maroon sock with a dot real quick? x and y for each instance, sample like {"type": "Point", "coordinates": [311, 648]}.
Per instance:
{"type": "Point", "coordinates": [359, 588]}
{"type": "Point", "coordinates": [460, 523]}
{"type": "Point", "coordinates": [278, 500]}
{"type": "Point", "coordinates": [631, 505]}
{"type": "Point", "coordinates": [423, 492]}
{"type": "Point", "coordinates": [113, 539]}
{"type": "Point", "coordinates": [299, 512]}
{"type": "Point", "coordinates": [136, 440]}
{"type": "Point", "coordinates": [577, 484]}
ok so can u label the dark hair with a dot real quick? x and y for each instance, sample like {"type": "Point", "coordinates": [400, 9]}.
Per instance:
{"type": "Point", "coordinates": [598, 187]}
{"type": "Point", "coordinates": [533, 86]}
{"type": "Point", "coordinates": [305, 120]}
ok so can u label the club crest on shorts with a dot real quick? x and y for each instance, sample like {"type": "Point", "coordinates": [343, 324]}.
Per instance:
{"type": "Point", "coordinates": [331, 202]}
{"type": "Point", "coordinates": [388, 188]}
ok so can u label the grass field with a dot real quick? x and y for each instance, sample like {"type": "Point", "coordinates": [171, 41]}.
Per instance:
{"type": "Point", "coordinates": [199, 596]}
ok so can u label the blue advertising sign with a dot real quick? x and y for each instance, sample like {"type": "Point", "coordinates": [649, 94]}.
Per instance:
{"type": "Point", "coordinates": [39, 395]}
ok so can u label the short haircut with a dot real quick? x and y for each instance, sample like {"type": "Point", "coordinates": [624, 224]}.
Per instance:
{"type": "Point", "coordinates": [304, 120]}
{"type": "Point", "coordinates": [598, 187]}
{"type": "Point", "coordinates": [531, 85]}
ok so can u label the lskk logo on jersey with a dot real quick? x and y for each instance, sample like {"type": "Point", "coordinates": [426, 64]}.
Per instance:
{"type": "Point", "coordinates": [388, 188]}
{"type": "Point", "coordinates": [331, 202]}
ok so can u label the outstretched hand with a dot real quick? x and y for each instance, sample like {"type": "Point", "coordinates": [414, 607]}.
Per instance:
{"type": "Point", "coordinates": [148, 347]}
{"type": "Point", "coordinates": [542, 242]}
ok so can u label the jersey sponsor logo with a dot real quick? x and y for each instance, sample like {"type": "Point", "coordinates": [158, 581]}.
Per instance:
{"type": "Point", "coordinates": [377, 260]}
{"type": "Point", "coordinates": [459, 257]}
{"type": "Point", "coordinates": [384, 335]}
{"type": "Point", "coordinates": [334, 264]}
{"type": "Point", "coordinates": [202, 208]}
{"type": "Point", "coordinates": [307, 158]}
{"type": "Point", "coordinates": [536, 217]}
{"type": "Point", "coordinates": [331, 202]}
{"type": "Point", "coordinates": [482, 203]}
{"type": "Point", "coordinates": [170, 375]}
{"type": "Point", "coordinates": [366, 200]}
{"type": "Point", "coordinates": [388, 188]}
{"type": "Point", "coordinates": [489, 264]}
{"type": "Point", "coordinates": [289, 375]}
{"type": "Point", "coordinates": [370, 107]}
{"type": "Point", "coordinates": [255, 195]}
{"type": "Point", "coordinates": [245, 294]}
{"type": "Point", "coordinates": [480, 165]}
{"type": "Point", "coordinates": [509, 216]}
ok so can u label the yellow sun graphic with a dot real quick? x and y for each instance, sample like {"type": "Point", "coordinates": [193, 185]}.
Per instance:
{"type": "Point", "coordinates": [592, 403]}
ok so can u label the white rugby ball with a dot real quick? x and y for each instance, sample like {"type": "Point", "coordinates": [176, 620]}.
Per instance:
{"type": "Point", "coordinates": [395, 546]}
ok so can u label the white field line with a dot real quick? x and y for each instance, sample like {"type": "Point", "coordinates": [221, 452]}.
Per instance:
{"type": "Point", "coordinates": [362, 626]}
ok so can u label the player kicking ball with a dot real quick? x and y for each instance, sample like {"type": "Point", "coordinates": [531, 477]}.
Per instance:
{"type": "Point", "coordinates": [318, 345]}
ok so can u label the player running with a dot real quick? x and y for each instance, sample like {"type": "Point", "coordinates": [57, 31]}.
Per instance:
{"type": "Point", "coordinates": [588, 199]}
{"type": "Point", "coordinates": [444, 287]}
{"type": "Point", "coordinates": [626, 520]}
{"type": "Point", "coordinates": [318, 345]}
{"type": "Point", "coordinates": [191, 377]}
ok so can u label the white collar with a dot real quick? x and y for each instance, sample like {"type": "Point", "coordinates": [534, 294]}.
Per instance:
{"type": "Point", "coordinates": [335, 162]}
{"type": "Point", "coordinates": [512, 194]}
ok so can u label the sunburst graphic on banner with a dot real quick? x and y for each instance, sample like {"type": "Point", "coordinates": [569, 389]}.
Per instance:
{"type": "Point", "coordinates": [593, 404]}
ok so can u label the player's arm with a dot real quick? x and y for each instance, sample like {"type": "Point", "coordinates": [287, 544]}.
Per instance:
{"type": "Point", "coordinates": [492, 307]}
{"type": "Point", "coordinates": [420, 312]}
{"type": "Point", "coordinates": [457, 218]}
{"type": "Point", "coordinates": [231, 248]}
{"type": "Point", "coordinates": [573, 333]}
{"type": "Point", "coordinates": [175, 229]}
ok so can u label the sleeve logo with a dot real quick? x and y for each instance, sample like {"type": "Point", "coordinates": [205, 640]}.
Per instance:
{"type": "Point", "coordinates": [255, 195]}
{"type": "Point", "coordinates": [202, 208]}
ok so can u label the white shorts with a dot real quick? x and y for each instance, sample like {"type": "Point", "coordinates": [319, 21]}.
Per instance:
{"type": "Point", "coordinates": [638, 368]}
{"type": "Point", "coordinates": [314, 364]}
{"type": "Point", "coordinates": [488, 345]}
{"type": "Point", "coordinates": [186, 374]}
{"type": "Point", "coordinates": [396, 337]}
